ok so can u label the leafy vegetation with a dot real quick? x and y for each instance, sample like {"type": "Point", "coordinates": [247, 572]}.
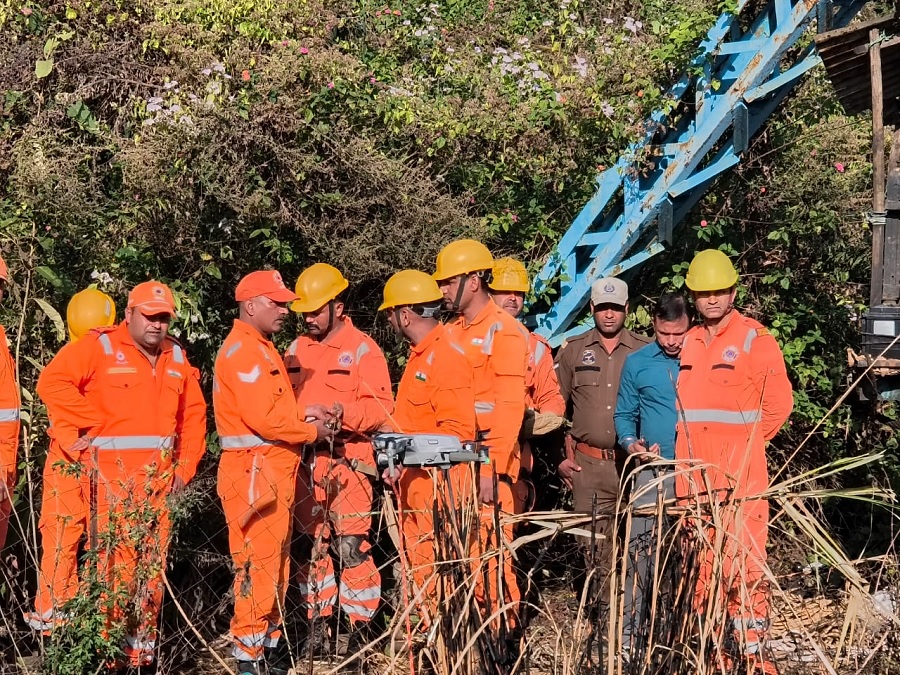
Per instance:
{"type": "Point", "coordinates": [195, 140]}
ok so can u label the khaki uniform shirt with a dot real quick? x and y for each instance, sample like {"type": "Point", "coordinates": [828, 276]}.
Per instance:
{"type": "Point", "coordinates": [589, 382]}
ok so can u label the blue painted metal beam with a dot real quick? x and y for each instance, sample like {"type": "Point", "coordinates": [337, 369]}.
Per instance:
{"type": "Point", "coordinates": [634, 209]}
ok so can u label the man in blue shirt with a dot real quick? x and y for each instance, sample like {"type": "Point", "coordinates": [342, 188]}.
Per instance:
{"type": "Point", "coordinates": [645, 421]}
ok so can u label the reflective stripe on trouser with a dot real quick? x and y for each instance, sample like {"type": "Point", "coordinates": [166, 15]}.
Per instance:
{"type": "Point", "coordinates": [346, 495]}
{"type": "Point", "coordinates": [65, 511]}
{"type": "Point", "coordinates": [133, 536]}
{"type": "Point", "coordinates": [46, 621]}
{"type": "Point", "coordinates": [260, 547]}
{"type": "Point", "coordinates": [494, 563]}
{"type": "Point", "coordinates": [252, 647]}
{"type": "Point", "coordinates": [738, 551]}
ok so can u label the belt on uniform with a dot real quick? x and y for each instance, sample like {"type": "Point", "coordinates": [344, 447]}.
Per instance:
{"type": "Point", "coordinates": [596, 453]}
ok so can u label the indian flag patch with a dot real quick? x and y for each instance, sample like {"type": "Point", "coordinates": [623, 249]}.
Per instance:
{"type": "Point", "coordinates": [421, 377]}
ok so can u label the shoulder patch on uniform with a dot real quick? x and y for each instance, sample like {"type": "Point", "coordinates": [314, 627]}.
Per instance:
{"type": "Point", "coordinates": [762, 331]}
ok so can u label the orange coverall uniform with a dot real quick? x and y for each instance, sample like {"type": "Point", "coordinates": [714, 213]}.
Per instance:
{"type": "Point", "coordinates": [260, 430]}
{"type": "Point", "coordinates": [9, 431]}
{"type": "Point", "coordinates": [733, 396]}
{"type": "Point", "coordinates": [541, 394]}
{"type": "Point", "coordinates": [496, 346]}
{"type": "Point", "coordinates": [334, 502]}
{"type": "Point", "coordinates": [436, 395]}
{"type": "Point", "coordinates": [147, 425]}
{"type": "Point", "coordinates": [65, 515]}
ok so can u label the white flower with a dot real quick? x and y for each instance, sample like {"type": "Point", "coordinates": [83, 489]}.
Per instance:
{"type": "Point", "coordinates": [607, 109]}
{"type": "Point", "coordinates": [580, 66]}
{"type": "Point", "coordinates": [171, 84]}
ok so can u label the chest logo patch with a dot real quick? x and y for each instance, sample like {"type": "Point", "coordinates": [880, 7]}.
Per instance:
{"type": "Point", "coordinates": [420, 376]}
{"type": "Point", "coordinates": [477, 341]}
{"type": "Point", "coordinates": [588, 358]}
{"type": "Point", "coordinates": [120, 357]}
{"type": "Point", "coordinates": [345, 359]}
{"type": "Point", "coordinates": [730, 354]}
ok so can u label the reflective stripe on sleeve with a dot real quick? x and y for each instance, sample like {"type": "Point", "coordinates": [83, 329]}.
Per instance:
{"type": "Point", "coordinates": [9, 414]}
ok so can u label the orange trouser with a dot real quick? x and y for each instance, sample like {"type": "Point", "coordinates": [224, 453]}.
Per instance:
{"type": "Point", "coordinates": [65, 511]}
{"type": "Point", "coordinates": [732, 559]}
{"type": "Point", "coordinates": [132, 542]}
{"type": "Point", "coordinates": [495, 579]}
{"type": "Point", "coordinates": [260, 545]}
{"type": "Point", "coordinates": [334, 507]}
{"type": "Point", "coordinates": [417, 490]}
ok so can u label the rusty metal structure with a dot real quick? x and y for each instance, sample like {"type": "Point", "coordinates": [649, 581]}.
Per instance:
{"type": "Point", "coordinates": [863, 63]}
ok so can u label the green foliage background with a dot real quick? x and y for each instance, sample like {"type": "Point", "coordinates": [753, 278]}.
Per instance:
{"type": "Point", "coordinates": [195, 140]}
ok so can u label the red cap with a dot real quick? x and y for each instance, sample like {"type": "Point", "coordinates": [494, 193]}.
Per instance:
{"type": "Point", "coordinates": [264, 282]}
{"type": "Point", "coordinates": [152, 297]}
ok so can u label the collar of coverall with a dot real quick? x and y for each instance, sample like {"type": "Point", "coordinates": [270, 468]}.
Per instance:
{"type": "Point", "coordinates": [247, 329]}
{"type": "Point", "coordinates": [123, 336]}
{"type": "Point", "coordinates": [490, 309]}
{"type": "Point", "coordinates": [337, 337]}
{"type": "Point", "coordinates": [428, 340]}
{"type": "Point", "coordinates": [732, 320]}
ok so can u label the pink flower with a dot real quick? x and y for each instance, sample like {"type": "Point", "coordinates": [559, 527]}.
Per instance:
{"type": "Point", "coordinates": [285, 43]}
{"type": "Point", "coordinates": [27, 11]}
{"type": "Point", "coordinates": [513, 217]}
{"type": "Point", "coordinates": [378, 12]}
{"type": "Point", "coordinates": [245, 75]}
{"type": "Point", "coordinates": [839, 167]}
{"type": "Point", "coordinates": [371, 80]}
{"type": "Point", "coordinates": [331, 85]}
{"type": "Point", "coordinates": [703, 223]}
{"type": "Point", "coordinates": [304, 50]}
{"type": "Point", "coordinates": [396, 12]}
{"type": "Point", "coordinates": [762, 190]}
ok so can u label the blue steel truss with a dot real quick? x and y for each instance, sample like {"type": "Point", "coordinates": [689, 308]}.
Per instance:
{"type": "Point", "coordinates": [734, 84]}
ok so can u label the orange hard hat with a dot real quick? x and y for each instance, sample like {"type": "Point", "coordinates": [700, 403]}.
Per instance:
{"type": "Point", "coordinates": [316, 286]}
{"type": "Point", "coordinates": [89, 309]}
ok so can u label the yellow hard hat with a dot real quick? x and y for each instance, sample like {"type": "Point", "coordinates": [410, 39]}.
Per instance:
{"type": "Point", "coordinates": [410, 287]}
{"type": "Point", "coordinates": [89, 309]}
{"type": "Point", "coordinates": [711, 270]}
{"type": "Point", "coordinates": [462, 256]}
{"type": "Point", "coordinates": [316, 286]}
{"type": "Point", "coordinates": [510, 275]}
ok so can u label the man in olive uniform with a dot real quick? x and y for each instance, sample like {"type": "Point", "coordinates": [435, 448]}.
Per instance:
{"type": "Point", "coordinates": [589, 367]}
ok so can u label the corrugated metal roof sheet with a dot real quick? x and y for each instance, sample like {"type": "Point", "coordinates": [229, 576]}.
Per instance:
{"type": "Point", "coordinates": [845, 55]}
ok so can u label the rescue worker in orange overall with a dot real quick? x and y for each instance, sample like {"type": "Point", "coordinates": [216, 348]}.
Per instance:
{"type": "Point", "coordinates": [340, 367]}
{"type": "Point", "coordinates": [65, 502]}
{"type": "Point", "coordinates": [135, 398]}
{"type": "Point", "coordinates": [261, 431]}
{"type": "Point", "coordinates": [733, 396]}
{"type": "Point", "coordinates": [436, 395]}
{"type": "Point", "coordinates": [509, 286]}
{"type": "Point", "coordinates": [496, 346]}
{"type": "Point", "coordinates": [9, 419]}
